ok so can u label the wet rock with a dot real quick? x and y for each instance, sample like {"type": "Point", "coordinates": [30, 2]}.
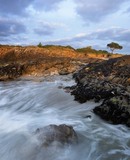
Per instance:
{"type": "Point", "coordinates": [63, 134]}
{"type": "Point", "coordinates": [91, 90]}
{"type": "Point", "coordinates": [106, 81]}
{"type": "Point", "coordinates": [116, 110]}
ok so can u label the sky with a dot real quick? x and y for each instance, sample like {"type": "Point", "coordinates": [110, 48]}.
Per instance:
{"type": "Point", "coordinates": [78, 23]}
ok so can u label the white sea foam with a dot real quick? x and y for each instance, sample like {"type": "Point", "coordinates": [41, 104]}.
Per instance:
{"type": "Point", "coordinates": [28, 105]}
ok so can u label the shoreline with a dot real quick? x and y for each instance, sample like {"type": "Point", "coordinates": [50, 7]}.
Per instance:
{"type": "Point", "coordinates": [96, 79]}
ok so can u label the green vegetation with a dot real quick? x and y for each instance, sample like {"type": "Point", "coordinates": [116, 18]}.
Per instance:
{"type": "Point", "coordinates": [40, 45]}
{"type": "Point", "coordinates": [59, 46]}
{"type": "Point", "coordinates": [86, 50]}
{"type": "Point", "coordinates": [113, 46]}
{"type": "Point", "coordinates": [49, 45]}
{"type": "Point", "coordinates": [90, 50]}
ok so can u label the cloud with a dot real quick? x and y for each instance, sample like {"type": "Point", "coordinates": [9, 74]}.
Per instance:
{"type": "Point", "coordinates": [16, 7]}
{"type": "Point", "coordinates": [48, 28]}
{"type": "Point", "coordinates": [118, 34]}
{"type": "Point", "coordinates": [95, 10]}
{"type": "Point", "coordinates": [123, 35]}
{"type": "Point", "coordinates": [11, 27]}
{"type": "Point", "coordinates": [105, 35]}
{"type": "Point", "coordinates": [45, 28]}
{"type": "Point", "coordinates": [126, 48]}
{"type": "Point", "coordinates": [46, 5]}
{"type": "Point", "coordinates": [127, 11]}
{"type": "Point", "coordinates": [43, 31]}
{"type": "Point", "coordinates": [4, 40]}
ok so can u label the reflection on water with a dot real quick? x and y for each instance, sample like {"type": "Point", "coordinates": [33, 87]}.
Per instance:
{"type": "Point", "coordinates": [27, 105]}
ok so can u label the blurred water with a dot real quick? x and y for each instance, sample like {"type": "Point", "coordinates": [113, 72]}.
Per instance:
{"type": "Point", "coordinates": [26, 105]}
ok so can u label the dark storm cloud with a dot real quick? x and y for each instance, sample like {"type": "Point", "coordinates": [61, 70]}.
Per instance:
{"type": "Point", "coordinates": [44, 29]}
{"type": "Point", "coordinates": [96, 10]}
{"type": "Point", "coordinates": [10, 27]}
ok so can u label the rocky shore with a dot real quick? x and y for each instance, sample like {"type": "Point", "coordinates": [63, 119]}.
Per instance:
{"type": "Point", "coordinates": [107, 82]}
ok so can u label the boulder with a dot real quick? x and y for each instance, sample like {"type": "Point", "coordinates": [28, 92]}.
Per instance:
{"type": "Point", "coordinates": [61, 134]}
{"type": "Point", "coordinates": [116, 110]}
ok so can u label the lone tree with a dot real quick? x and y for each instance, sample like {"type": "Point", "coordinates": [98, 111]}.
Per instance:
{"type": "Point", "coordinates": [40, 44]}
{"type": "Point", "coordinates": [113, 46]}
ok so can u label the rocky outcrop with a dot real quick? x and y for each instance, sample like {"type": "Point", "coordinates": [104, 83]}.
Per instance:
{"type": "Point", "coordinates": [63, 134]}
{"type": "Point", "coordinates": [11, 71]}
{"type": "Point", "coordinates": [115, 110]}
{"type": "Point", "coordinates": [107, 81]}
{"type": "Point", "coordinates": [115, 70]}
{"type": "Point", "coordinates": [52, 66]}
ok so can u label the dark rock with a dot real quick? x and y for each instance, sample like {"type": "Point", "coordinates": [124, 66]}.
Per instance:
{"type": "Point", "coordinates": [107, 81]}
{"type": "Point", "coordinates": [92, 90]}
{"type": "Point", "coordinates": [62, 134]}
{"type": "Point", "coordinates": [115, 110]}
{"type": "Point", "coordinates": [11, 71]}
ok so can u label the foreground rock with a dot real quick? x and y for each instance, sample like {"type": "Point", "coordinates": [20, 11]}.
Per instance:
{"type": "Point", "coordinates": [62, 134]}
{"type": "Point", "coordinates": [108, 81]}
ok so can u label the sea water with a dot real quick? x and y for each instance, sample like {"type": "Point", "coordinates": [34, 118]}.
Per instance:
{"type": "Point", "coordinates": [26, 105]}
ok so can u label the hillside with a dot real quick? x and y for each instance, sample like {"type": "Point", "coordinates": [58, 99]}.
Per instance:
{"type": "Point", "coordinates": [29, 53]}
{"type": "Point", "coordinates": [16, 61]}
{"type": "Point", "coordinates": [23, 54]}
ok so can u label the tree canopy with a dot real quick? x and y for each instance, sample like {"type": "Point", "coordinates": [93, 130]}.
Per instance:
{"type": "Point", "coordinates": [40, 44]}
{"type": "Point", "coordinates": [113, 46]}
